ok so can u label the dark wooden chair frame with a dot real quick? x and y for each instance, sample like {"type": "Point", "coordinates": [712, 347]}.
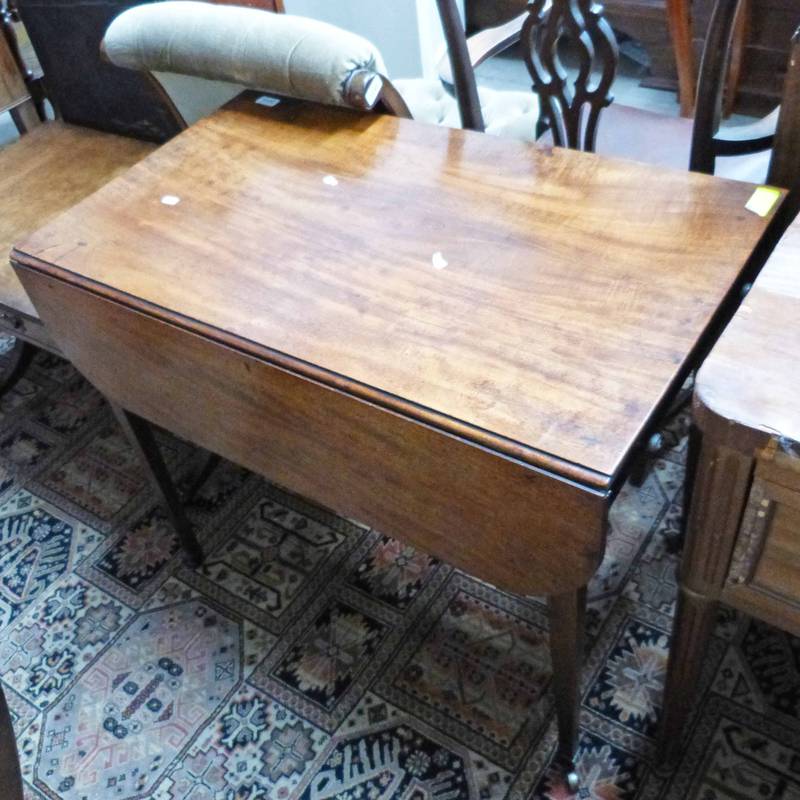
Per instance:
{"type": "Point", "coordinates": [10, 775]}
{"type": "Point", "coordinates": [545, 20]}
{"type": "Point", "coordinates": [9, 17]}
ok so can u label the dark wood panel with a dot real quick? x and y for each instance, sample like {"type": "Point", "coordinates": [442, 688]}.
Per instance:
{"type": "Point", "coordinates": [13, 90]}
{"type": "Point", "coordinates": [86, 89]}
{"type": "Point", "coordinates": [508, 523]}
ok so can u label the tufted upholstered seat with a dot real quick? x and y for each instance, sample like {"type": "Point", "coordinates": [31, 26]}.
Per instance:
{"type": "Point", "coordinates": [230, 48]}
{"type": "Point", "coordinates": [506, 113]}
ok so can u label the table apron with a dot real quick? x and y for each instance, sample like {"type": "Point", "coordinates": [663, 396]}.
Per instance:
{"type": "Point", "coordinates": [515, 526]}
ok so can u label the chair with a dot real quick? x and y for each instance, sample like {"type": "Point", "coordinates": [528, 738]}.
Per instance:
{"type": "Point", "coordinates": [55, 164]}
{"type": "Point", "coordinates": [739, 152]}
{"type": "Point", "coordinates": [50, 168]}
{"type": "Point", "coordinates": [570, 111]}
{"type": "Point", "coordinates": [9, 20]}
{"type": "Point", "coordinates": [290, 56]}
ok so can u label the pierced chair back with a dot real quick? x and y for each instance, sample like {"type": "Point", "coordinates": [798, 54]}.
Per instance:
{"type": "Point", "coordinates": [569, 107]}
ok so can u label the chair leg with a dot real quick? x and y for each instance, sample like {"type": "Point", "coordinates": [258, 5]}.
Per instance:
{"type": "Point", "coordinates": [18, 362]}
{"type": "Point", "coordinates": [567, 627]}
{"type": "Point", "coordinates": [140, 435]}
{"type": "Point", "coordinates": [10, 775]}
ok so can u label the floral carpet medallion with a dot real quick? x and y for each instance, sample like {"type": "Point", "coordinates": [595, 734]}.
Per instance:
{"type": "Point", "coordinates": [311, 657]}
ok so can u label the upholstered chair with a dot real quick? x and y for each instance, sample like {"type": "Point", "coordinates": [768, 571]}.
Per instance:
{"type": "Point", "coordinates": [230, 48]}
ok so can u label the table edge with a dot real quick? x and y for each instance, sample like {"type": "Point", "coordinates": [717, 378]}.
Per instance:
{"type": "Point", "coordinates": [584, 477]}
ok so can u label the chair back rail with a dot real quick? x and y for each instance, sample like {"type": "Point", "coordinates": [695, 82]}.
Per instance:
{"type": "Point", "coordinates": [461, 67]}
{"type": "Point", "coordinates": [784, 168]}
{"type": "Point", "coordinates": [711, 86]}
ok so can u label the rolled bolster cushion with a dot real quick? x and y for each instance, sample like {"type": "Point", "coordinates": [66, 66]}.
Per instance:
{"type": "Point", "coordinates": [278, 53]}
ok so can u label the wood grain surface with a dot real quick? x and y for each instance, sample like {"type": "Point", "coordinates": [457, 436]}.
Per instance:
{"type": "Point", "coordinates": [509, 523]}
{"type": "Point", "coordinates": [537, 302]}
{"type": "Point", "coordinates": [743, 535]}
{"type": "Point", "coordinates": [43, 174]}
{"type": "Point", "coordinates": [751, 380]}
{"type": "Point", "coordinates": [13, 90]}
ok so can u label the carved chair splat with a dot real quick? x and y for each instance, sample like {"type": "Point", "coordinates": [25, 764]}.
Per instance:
{"type": "Point", "coordinates": [570, 108]}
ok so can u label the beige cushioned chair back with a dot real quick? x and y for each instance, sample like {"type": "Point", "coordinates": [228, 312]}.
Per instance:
{"type": "Point", "coordinates": [239, 47]}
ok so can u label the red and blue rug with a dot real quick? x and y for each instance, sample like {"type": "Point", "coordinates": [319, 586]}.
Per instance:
{"type": "Point", "coordinates": [313, 658]}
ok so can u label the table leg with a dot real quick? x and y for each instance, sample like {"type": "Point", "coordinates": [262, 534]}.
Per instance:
{"type": "Point", "coordinates": [694, 623]}
{"type": "Point", "coordinates": [567, 624]}
{"type": "Point", "coordinates": [18, 362]}
{"type": "Point", "coordinates": [716, 499]}
{"type": "Point", "coordinates": [10, 776]}
{"type": "Point", "coordinates": [140, 435]}
{"type": "Point", "coordinates": [679, 17]}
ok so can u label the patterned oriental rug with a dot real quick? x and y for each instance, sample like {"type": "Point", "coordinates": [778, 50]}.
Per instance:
{"type": "Point", "coordinates": [313, 658]}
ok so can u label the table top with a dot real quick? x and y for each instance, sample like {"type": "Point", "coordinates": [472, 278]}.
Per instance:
{"type": "Point", "coordinates": [536, 301]}
{"type": "Point", "coordinates": [751, 379]}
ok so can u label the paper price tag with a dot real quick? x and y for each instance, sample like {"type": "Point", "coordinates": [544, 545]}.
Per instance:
{"type": "Point", "coordinates": [762, 200]}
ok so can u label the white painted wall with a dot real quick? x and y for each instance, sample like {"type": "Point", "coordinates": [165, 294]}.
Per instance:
{"type": "Point", "coordinates": [407, 32]}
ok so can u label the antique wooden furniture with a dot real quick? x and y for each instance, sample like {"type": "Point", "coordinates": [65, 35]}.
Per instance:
{"type": "Point", "coordinates": [764, 48]}
{"type": "Point", "coordinates": [54, 164]}
{"type": "Point", "coordinates": [743, 545]}
{"type": "Point", "coordinates": [58, 163]}
{"type": "Point", "coordinates": [49, 169]}
{"type": "Point", "coordinates": [10, 775]}
{"type": "Point", "coordinates": [473, 375]}
{"type": "Point", "coordinates": [26, 62]}
{"type": "Point", "coordinates": [306, 59]}
{"type": "Point", "coordinates": [738, 152]}
{"type": "Point", "coordinates": [85, 89]}
{"type": "Point", "coordinates": [571, 109]}
{"type": "Point", "coordinates": [673, 34]}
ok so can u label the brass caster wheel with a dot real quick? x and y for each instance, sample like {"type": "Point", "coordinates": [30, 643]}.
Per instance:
{"type": "Point", "coordinates": [573, 783]}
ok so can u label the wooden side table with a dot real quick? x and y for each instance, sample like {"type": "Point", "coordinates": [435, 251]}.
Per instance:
{"type": "Point", "coordinates": [743, 545]}
{"type": "Point", "coordinates": [460, 340]}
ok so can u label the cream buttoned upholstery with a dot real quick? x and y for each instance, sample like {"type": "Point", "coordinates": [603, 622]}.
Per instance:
{"type": "Point", "coordinates": [505, 113]}
{"type": "Point", "coordinates": [204, 54]}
